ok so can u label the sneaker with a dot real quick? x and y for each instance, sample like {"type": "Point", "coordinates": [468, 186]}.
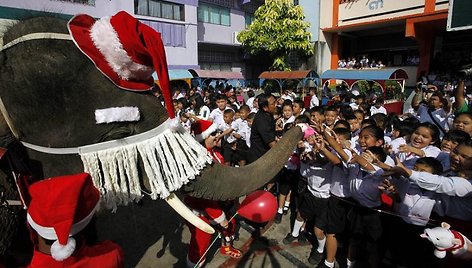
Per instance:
{"type": "Point", "coordinates": [278, 218]}
{"type": "Point", "coordinates": [315, 257]}
{"type": "Point", "coordinates": [289, 238]}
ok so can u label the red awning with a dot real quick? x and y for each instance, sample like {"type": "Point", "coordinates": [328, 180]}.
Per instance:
{"type": "Point", "coordinates": [288, 74]}
{"type": "Point", "coordinates": [216, 74]}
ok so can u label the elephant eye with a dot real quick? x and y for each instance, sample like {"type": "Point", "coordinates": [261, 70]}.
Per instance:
{"type": "Point", "coordinates": [437, 238]}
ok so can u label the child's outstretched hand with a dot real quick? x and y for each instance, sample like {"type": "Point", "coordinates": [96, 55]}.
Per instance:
{"type": "Point", "coordinates": [388, 186]}
{"type": "Point", "coordinates": [404, 148]}
{"type": "Point", "coordinates": [398, 170]}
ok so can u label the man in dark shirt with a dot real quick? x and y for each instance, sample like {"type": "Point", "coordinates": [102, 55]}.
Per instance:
{"type": "Point", "coordinates": [263, 127]}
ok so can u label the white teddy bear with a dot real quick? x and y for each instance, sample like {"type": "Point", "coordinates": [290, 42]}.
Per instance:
{"type": "Point", "coordinates": [446, 240]}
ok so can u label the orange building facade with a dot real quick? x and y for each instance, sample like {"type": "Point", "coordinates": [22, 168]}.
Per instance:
{"type": "Point", "coordinates": [410, 34]}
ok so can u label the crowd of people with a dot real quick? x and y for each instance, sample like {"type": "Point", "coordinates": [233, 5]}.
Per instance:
{"type": "Point", "coordinates": [363, 63]}
{"type": "Point", "coordinates": [361, 180]}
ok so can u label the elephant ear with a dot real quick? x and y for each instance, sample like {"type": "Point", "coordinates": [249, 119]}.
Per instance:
{"type": "Point", "coordinates": [221, 182]}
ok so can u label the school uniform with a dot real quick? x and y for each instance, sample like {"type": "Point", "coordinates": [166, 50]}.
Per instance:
{"type": "Point", "coordinates": [240, 127]}
{"type": "Point", "coordinates": [395, 143]}
{"type": "Point", "coordinates": [314, 203]}
{"type": "Point", "coordinates": [455, 199]}
{"type": "Point", "coordinates": [445, 160]}
{"type": "Point", "coordinates": [217, 117]}
{"type": "Point", "coordinates": [409, 159]}
{"type": "Point", "coordinates": [338, 207]}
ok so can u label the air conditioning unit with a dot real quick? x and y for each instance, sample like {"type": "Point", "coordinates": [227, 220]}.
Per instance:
{"type": "Point", "coordinates": [235, 38]}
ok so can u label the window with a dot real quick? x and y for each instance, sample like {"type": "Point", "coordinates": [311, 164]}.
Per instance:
{"type": "Point", "coordinates": [248, 19]}
{"type": "Point", "coordinates": [159, 9]}
{"type": "Point", "coordinates": [85, 2]}
{"type": "Point", "coordinates": [214, 14]}
{"type": "Point", "coordinates": [172, 34]}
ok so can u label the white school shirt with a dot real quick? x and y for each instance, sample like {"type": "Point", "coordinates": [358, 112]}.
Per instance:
{"type": "Point", "coordinates": [291, 119]}
{"type": "Point", "coordinates": [318, 177]}
{"type": "Point", "coordinates": [235, 125]}
{"type": "Point", "coordinates": [375, 110]}
{"type": "Point", "coordinates": [416, 205]}
{"type": "Point", "coordinates": [217, 117]}
{"type": "Point", "coordinates": [409, 159]}
{"type": "Point", "coordinates": [340, 177]}
{"type": "Point", "coordinates": [314, 101]}
{"type": "Point", "coordinates": [456, 193]}
{"type": "Point", "coordinates": [247, 134]}
{"type": "Point", "coordinates": [395, 143]}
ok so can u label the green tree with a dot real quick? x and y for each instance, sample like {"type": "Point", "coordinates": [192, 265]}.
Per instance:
{"type": "Point", "coordinates": [278, 29]}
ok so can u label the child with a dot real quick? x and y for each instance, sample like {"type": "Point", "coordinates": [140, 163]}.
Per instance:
{"type": "Point", "coordinates": [216, 114]}
{"type": "Point", "coordinates": [250, 119]}
{"type": "Point", "coordinates": [317, 115]}
{"type": "Point", "coordinates": [287, 117]}
{"type": "Point", "coordinates": [463, 121]}
{"type": "Point", "coordinates": [241, 128]}
{"type": "Point", "coordinates": [228, 140]}
{"type": "Point", "coordinates": [421, 144]}
{"type": "Point", "coordinates": [365, 225]}
{"type": "Point", "coordinates": [331, 115]}
{"type": "Point", "coordinates": [314, 203]}
{"type": "Point", "coordinates": [401, 133]}
{"type": "Point", "coordinates": [354, 126]}
{"type": "Point", "coordinates": [337, 208]}
{"type": "Point", "coordinates": [448, 144]}
{"type": "Point", "coordinates": [298, 107]}
{"type": "Point", "coordinates": [378, 107]}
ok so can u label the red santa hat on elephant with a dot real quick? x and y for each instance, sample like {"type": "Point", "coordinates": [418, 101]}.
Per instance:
{"type": "Point", "coordinates": [124, 50]}
{"type": "Point", "coordinates": [60, 208]}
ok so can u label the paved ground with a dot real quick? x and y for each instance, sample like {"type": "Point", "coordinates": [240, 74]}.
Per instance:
{"type": "Point", "coordinates": [155, 236]}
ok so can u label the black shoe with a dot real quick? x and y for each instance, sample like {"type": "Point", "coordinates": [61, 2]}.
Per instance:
{"type": "Point", "coordinates": [302, 239]}
{"type": "Point", "coordinates": [315, 257]}
{"type": "Point", "coordinates": [286, 210]}
{"type": "Point", "coordinates": [278, 218]}
{"type": "Point", "coordinates": [289, 238]}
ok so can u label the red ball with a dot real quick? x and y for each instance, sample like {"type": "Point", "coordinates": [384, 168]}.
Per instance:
{"type": "Point", "coordinates": [260, 206]}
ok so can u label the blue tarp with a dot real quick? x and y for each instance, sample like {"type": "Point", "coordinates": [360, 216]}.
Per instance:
{"type": "Point", "coordinates": [365, 74]}
{"type": "Point", "coordinates": [176, 75]}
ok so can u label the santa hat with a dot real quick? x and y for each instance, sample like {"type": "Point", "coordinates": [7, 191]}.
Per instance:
{"type": "Point", "coordinates": [61, 207]}
{"type": "Point", "coordinates": [202, 129]}
{"type": "Point", "coordinates": [124, 50]}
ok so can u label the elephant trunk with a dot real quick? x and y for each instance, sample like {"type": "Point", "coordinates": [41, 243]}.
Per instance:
{"type": "Point", "coordinates": [220, 182]}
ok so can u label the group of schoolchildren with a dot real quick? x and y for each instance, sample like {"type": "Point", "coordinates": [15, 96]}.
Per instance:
{"type": "Point", "coordinates": [366, 182]}
{"type": "Point", "coordinates": [352, 164]}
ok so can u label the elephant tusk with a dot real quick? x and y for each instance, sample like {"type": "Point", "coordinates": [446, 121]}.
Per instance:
{"type": "Point", "coordinates": [187, 214]}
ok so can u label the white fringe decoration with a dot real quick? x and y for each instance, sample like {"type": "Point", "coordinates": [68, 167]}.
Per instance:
{"type": "Point", "coordinates": [171, 159]}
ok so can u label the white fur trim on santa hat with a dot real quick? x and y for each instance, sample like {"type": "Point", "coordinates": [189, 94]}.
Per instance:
{"type": "Point", "coordinates": [106, 40]}
{"type": "Point", "coordinates": [202, 136]}
{"type": "Point", "coordinates": [61, 252]}
{"type": "Point", "coordinates": [117, 114]}
{"type": "Point", "coordinates": [49, 232]}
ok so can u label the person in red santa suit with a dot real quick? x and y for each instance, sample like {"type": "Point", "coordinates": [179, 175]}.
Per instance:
{"type": "Point", "coordinates": [60, 208]}
{"type": "Point", "coordinates": [209, 211]}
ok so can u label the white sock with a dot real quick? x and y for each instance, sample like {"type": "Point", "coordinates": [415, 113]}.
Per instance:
{"type": "Point", "coordinates": [296, 228]}
{"type": "Point", "coordinates": [350, 264]}
{"type": "Point", "coordinates": [321, 244]}
{"type": "Point", "coordinates": [287, 204]}
{"type": "Point", "coordinates": [280, 210]}
{"type": "Point", "coordinates": [329, 264]}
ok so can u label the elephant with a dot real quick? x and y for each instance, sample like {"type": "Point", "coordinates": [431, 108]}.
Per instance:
{"type": "Point", "coordinates": [49, 94]}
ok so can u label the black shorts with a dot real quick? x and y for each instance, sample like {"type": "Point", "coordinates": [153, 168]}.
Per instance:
{"type": "Point", "coordinates": [241, 150]}
{"type": "Point", "coordinates": [228, 152]}
{"type": "Point", "coordinates": [365, 222]}
{"type": "Point", "coordinates": [288, 180]}
{"type": "Point", "coordinates": [337, 215]}
{"type": "Point", "coordinates": [314, 208]}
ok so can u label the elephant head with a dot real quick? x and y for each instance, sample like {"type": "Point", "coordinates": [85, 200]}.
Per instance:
{"type": "Point", "coordinates": [49, 94]}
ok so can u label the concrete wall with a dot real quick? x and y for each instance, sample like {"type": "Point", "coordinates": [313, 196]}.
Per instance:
{"type": "Point", "coordinates": [220, 34]}
{"type": "Point", "coordinates": [326, 21]}
{"type": "Point", "coordinates": [177, 57]}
